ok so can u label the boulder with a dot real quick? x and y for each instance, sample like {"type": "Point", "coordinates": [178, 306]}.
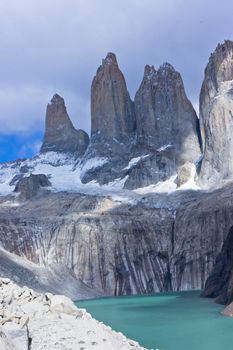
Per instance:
{"type": "Point", "coordinates": [62, 304]}
{"type": "Point", "coordinates": [228, 311]}
{"type": "Point", "coordinates": [183, 174]}
{"type": "Point", "coordinates": [29, 186]}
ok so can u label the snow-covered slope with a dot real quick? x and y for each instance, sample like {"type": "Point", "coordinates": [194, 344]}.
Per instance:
{"type": "Point", "coordinates": [65, 174]}
{"type": "Point", "coordinates": [59, 167]}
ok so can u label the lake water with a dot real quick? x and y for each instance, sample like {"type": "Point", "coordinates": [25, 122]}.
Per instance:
{"type": "Point", "coordinates": [169, 321]}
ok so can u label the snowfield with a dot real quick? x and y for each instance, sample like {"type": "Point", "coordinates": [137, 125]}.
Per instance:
{"type": "Point", "coordinates": [64, 175]}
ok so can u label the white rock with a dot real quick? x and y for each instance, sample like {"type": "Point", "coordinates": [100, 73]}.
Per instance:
{"type": "Point", "coordinates": [24, 321]}
{"type": "Point", "coordinates": [32, 307]}
{"type": "Point", "coordinates": [62, 304]}
{"type": "Point", "coordinates": [53, 322]}
{"type": "Point", "coordinates": [5, 343]}
{"type": "Point", "coordinates": [18, 335]}
{"type": "Point", "coordinates": [5, 280]}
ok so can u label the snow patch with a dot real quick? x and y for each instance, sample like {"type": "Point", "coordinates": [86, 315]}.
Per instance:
{"type": "Point", "coordinates": [161, 187]}
{"type": "Point", "coordinates": [117, 184]}
{"type": "Point", "coordinates": [164, 147]}
{"type": "Point", "coordinates": [55, 159]}
{"type": "Point", "coordinates": [224, 88]}
{"type": "Point", "coordinates": [134, 161]}
{"type": "Point", "coordinates": [63, 176]}
{"type": "Point", "coordinates": [93, 163]}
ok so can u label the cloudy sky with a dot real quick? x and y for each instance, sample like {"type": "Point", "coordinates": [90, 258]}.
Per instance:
{"type": "Point", "coordinates": [49, 46]}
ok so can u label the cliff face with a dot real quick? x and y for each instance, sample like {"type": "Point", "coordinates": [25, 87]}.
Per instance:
{"type": "Point", "coordinates": [165, 116]}
{"type": "Point", "coordinates": [112, 125]}
{"type": "Point", "coordinates": [219, 284]}
{"type": "Point", "coordinates": [216, 106]}
{"type": "Point", "coordinates": [160, 129]}
{"type": "Point", "coordinates": [158, 243]}
{"type": "Point", "coordinates": [60, 134]}
{"type": "Point", "coordinates": [112, 111]}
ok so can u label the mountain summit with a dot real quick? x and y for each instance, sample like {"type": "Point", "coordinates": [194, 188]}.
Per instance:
{"type": "Point", "coordinates": [60, 134]}
{"type": "Point", "coordinates": [164, 115]}
{"type": "Point", "coordinates": [112, 111]}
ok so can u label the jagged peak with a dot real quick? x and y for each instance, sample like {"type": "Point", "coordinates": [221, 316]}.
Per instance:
{"type": "Point", "coordinates": [57, 99]}
{"type": "Point", "coordinates": [166, 67]}
{"type": "Point", "coordinates": [110, 59]}
{"type": "Point", "coordinates": [149, 72]}
{"type": "Point", "coordinates": [224, 47]}
{"type": "Point", "coordinates": [220, 65]}
{"type": "Point", "coordinates": [222, 51]}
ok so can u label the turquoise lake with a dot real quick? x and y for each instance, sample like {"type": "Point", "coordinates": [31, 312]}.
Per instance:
{"type": "Point", "coordinates": [168, 321]}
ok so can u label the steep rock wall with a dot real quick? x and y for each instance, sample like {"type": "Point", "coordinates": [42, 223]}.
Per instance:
{"type": "Point", "coordinates": [161, 243]}
{"type": "Point", "coordinates": [216, 106]}
{"type": "Point", "coordinates": [60, 134]}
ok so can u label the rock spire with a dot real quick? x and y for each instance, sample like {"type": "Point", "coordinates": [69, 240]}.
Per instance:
{"type": "Point", "coordinates": [112, 111]}
{"type": "Point", "coordinates": [60, 134]}
{"type": "Point", "coordinates": [164, 115]}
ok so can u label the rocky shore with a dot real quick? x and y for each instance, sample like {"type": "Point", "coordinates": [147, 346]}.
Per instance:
{"type": "Point", "coordinates": [34, 321]}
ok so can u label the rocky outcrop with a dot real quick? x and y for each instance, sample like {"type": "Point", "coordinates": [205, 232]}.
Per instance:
{"type": "Point", "coordinates": [60, 134]}
{"type": "Point", "coordinates": [216, 106]}
{"type": "Point", "coordinates": [228, 311]}
{"type": "Point", "coordinates": [35, 321]}
{"type": "Point", "coordinates": [150, 168]}
{"type": "Point", "coordinates": [29, 186]}
{"type": "Point", "coordinates": [219, 285]}
{"type": "Point", "coordinates": [165, 116]}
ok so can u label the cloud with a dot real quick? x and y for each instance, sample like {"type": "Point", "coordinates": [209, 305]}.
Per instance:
{"type": "Point", "coordinates": [57, 45]}
{"type": "Point", "coordinates": [22, 110]}
{"type": "Point", "coordinates": [29, 149]}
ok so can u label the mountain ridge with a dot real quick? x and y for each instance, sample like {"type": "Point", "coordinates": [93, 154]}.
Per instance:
{"type": "Point", "coordinates": [140, 207]}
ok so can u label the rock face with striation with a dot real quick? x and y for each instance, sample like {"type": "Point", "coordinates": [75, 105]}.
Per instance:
{"type": "Point", "coordinates": [216, 116]}
{"type": "Point", "coordinates": [60, 134]}
{"type": "Point", "coordinates": [112, 111]}
{"type": "Point", "coordinates": [219, 284]}
{"type": "Point", "coordinates": [165, 116]}
{"type": "Point", "coordinates": [156, 243]}
{"type": "Point", "coordinates": [161, 132]}
{"type": "Point", "coordinates": [112, 124]}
